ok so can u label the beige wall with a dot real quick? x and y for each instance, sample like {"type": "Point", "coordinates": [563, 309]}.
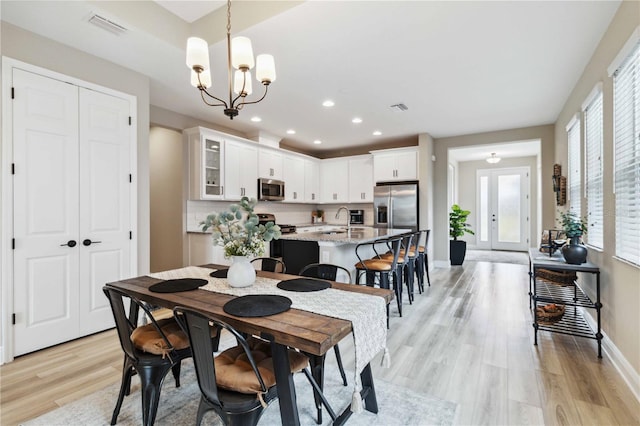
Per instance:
{"type": "Point", "coordinates": [467, 192]}
{"type": "Point", "coordinates": [166, 176]}
{"type": "Point", "coordinates": [441, 211]}
{"type": "Point", "coordinates": [620, 285]}
{"type": "Point", "coordinates": [426, 172]}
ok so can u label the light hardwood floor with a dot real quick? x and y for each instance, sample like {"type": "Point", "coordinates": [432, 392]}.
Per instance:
{"type": "Point", "coordinates": [468, 339]}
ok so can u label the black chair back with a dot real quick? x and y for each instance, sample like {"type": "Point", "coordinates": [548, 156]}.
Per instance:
{"type": "Point", "coordinates": [326, 271]}
{"type": "Point", "coordinates": [271, 264]}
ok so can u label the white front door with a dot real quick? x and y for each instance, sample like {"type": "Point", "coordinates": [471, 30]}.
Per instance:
{"type": "Point", "coordinates": [46, 215]}
{"type": "Point", "coordinates": [503, 209]}
{"type": "Point", "coordinates": [105, 189]}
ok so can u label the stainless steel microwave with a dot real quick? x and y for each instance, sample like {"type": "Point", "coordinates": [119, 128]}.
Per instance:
{"type": "Point", "coordinates": [270, 190]}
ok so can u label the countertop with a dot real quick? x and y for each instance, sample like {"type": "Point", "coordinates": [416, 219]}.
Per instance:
{"type": "Point", "coordinates": [360, 234]}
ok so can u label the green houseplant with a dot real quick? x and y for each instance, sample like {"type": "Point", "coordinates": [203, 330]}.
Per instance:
{"type": "Point", "coordinates": [574, 227]}
{"type": "Point", "coordinates": [239, 233]}
{"type": "Point", "coordinates": [458, 226]}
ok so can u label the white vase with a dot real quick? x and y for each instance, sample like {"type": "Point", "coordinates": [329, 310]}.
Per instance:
{"type": "Point", "coordinates": [241, 272]}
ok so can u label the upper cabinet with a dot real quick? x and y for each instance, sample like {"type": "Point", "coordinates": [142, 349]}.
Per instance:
{"type": "Point", "coordinates": [241, 169]}
{"type": "Point", "coordinates": [311, 180]}
{"type": "Point", "coordinates": [270, 164]}
{"type": "Point", "coordinates": [334, 185]}
{"type": "Point", "coordinates": [294, 178]}
{"type": "Point", "coordinates": [361, 179]}
{"type": "Point", "coordinates": [395, 164]}
{"type": "Point", "coordinates": [206, 153]}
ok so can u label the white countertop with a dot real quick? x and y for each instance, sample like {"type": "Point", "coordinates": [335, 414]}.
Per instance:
{"type": "Point", "coordinates": [360, 234]}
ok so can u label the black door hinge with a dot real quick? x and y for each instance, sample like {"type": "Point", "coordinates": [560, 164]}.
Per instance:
{"type": "Point", "coordinates": [13, 319]}
{"type": "Point", "coordinates": [129, 120]}
{"type": "Point", "coordinates": [13, 168]}
{"type": "Point", "coordinates": [130, 179]}
{"type": "Point", "coordinates": [130, 235]}
{"type": "Point", "coordinates": [13, 93]}
{"type": "Point", "coordinates": [13, 244]}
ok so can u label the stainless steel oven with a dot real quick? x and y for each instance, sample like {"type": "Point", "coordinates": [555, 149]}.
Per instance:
{"type": "Point", "coordinates": [270, 190]}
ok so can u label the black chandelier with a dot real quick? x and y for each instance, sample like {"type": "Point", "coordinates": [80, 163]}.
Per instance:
{"type": "Point", "coordinates": [240, 56]}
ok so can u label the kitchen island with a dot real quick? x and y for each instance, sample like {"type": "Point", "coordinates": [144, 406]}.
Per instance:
{"type": "Point", "coordinates": [334, 245]}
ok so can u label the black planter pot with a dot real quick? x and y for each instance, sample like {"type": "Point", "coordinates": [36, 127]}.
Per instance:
{"type": "Point", "coordinates": [574, 253]}
{"type": "Point", "coordinates": [457, 251]}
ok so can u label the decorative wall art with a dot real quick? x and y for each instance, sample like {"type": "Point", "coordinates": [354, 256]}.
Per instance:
{"type": "Point", "coordinates": [559, 185]}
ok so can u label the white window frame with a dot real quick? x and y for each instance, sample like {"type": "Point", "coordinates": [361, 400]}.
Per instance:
{"type": "Point", "coordinates": [626, 145]}
{"type": "Point", "coordinates": [593, 176]}
{"type": "Point", "coordinates": [574, 168]}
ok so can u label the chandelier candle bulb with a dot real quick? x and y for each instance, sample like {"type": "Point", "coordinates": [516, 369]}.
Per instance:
{"type": "Point", "coordinates": [197, 53]}
{"type": "Point", "coordinates": [265, 69]}
{"type": "Point", "coordinates": [241, 53]}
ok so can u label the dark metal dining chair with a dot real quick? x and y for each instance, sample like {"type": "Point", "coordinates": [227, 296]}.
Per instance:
{"type": "Point", "coordinates": [270, 264]}
{"type": "Point", "coordinates": [163, 337]}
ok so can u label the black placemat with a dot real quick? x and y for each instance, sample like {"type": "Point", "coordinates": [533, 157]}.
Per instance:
{"type": "Point", "coordinates": [303, 285]}
{"type": "Point", "coordinates": [257, 305]}
{"type": "Point", "coordinates": [179, 284]}
{"type": "Point", "coordinates": [220, 273]}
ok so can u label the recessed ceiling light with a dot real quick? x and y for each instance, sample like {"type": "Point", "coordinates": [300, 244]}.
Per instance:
{"type": "Point", "coordinates": [357, 120]}
{"type": "Point", "coordinates": [256, 119]}
{"type": "Point", "coordinates": [377, 133]}
{"type": "Point", "coordinates": [317, 142]}
{"type": "Point", "coordinates": [328, 103]}
{"type": "Point", "coordinates": [291, 132]}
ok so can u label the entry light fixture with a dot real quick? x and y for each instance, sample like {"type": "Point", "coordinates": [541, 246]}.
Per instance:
{"type": "Point", "coordinates": [240, 56]}
{"type": "Point", "coordinates": [493, 159]}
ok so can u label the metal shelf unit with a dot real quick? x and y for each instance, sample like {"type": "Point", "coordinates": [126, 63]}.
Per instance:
{"type": "Point", "coordinates": [572, 297]}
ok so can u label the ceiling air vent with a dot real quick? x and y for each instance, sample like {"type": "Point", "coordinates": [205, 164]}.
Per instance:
{"type": "Point", "coordinates": [399, 107]}
{"type": "Point", "coordinates": [107, 24]}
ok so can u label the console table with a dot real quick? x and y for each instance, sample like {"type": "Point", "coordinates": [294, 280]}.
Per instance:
{"type": "Point", "coordinates": [542, 292]}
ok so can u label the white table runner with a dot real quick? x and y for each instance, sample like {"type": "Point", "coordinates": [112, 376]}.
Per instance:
{"type": "Point", "coordinates": [367, 313]}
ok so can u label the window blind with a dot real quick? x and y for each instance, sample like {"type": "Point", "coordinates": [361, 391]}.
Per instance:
{"type": "Point", "coordinates": [626, 124]}
{"type": "Point", "coordinates": [574, 168]}
{"type": "Point", "coordinates": [593, 176]}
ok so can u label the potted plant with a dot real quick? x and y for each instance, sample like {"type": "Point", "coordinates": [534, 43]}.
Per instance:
{"type": "Point", "coordinates": [239, 233]}
{"type": "Point", "coordinates": [574, 227]}
{"type": "Point", "coordinates": [457, 227]}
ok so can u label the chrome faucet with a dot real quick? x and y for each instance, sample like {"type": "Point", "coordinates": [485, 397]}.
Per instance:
{"type": "Point", "coordinates": [348, 217]}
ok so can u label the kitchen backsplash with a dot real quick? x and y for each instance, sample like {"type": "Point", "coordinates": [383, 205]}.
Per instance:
{"type": "Point", "coordinates": [293, 214]}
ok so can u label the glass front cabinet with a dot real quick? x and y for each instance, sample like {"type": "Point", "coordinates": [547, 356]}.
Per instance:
{"type": "Point", "coordinates": [206, 154]}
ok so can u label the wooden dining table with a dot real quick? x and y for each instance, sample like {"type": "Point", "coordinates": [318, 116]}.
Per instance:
{"type": "Point", "coordinates": [314, 334]}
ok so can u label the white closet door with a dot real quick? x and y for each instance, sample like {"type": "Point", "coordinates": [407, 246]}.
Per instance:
{"type": "Point", "coordinates": [105, 245]}
{"type": "Point", "coordinates": [45, 145]}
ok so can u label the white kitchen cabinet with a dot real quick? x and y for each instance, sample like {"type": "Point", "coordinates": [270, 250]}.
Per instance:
{"type": "Point", "coordinates": [311, 180]}
{"type": "Point", "coordinates": [293, 177]}
{"type": "Point", "coordinates": [361, 179]}
{"type": "Point", "coordinates": [270, 164]}
{"type": "Point", "coordinates": [206, 154]}
{"type": "Point", "coordinates": [399, 164]}
{"type": "Point", "coordinates": [240, 169]}
{"type": "Point", "coordinates": [334, 185]}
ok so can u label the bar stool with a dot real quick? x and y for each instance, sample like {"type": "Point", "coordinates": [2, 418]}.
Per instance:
{"type": "Point", "coordinates": [423, 261]}
{"type": "Point", "coordinates": [378, 268]}
{"type": "Point", "coordinates": [406, 262]}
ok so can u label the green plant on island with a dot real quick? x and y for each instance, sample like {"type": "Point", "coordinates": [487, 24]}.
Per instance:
{"type": "Point", "coordinates": [238, 230]}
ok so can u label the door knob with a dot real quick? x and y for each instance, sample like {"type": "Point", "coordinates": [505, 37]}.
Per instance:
{"type": "Point", "coordinates": [70, 243]}
{"type": "Point", "coordinates": [88, 242]}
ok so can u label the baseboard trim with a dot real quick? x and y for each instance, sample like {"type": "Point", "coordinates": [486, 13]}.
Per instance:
{"type": "Point", "coordinates": [626, 370]}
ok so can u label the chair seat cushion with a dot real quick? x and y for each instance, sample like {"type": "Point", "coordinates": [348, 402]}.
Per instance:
{"type": "Point", "coordinates": [421, 249]}
{"type": "Point", "coordinates": [374, 265]}
{"type": "Point", "coordinates": [147, 338]}
{"type": "Point", "coordinates": [234, 372]}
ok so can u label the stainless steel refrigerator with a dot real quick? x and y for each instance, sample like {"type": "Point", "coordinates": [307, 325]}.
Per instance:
{"type": "Point", "coordinates": [396, 205]}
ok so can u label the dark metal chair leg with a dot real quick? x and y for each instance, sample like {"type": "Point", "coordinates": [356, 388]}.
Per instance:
{"type": "Point", "coordinates": [426, 267]}
{"type": "Point", "coordinates": [151, 379]}
{"type": "Point", "coordinates": [176, 373]}
{"type": "Point", "coordinates": [336, 349]}
{"type": "Point", "coordinates": [127, 371]}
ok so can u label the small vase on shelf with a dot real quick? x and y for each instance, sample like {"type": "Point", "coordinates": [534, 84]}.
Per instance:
{"type": "Point", "coordinates": [241, 273]}
{"type": "Point", "coordinates": [574, 253]}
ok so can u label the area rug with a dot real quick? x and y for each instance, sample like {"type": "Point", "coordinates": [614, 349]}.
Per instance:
{"type": "Point", "coordinates": [178, 406]}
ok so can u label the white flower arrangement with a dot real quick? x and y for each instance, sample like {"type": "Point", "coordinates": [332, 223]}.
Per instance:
{"type": "Point", "coordinates": [238, 230]}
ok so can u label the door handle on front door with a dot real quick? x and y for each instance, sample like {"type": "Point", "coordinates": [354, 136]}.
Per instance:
{"type": "Point", "coordinates": [88, 242]}
{"type": "Point", "coordinates": [70, 243]}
